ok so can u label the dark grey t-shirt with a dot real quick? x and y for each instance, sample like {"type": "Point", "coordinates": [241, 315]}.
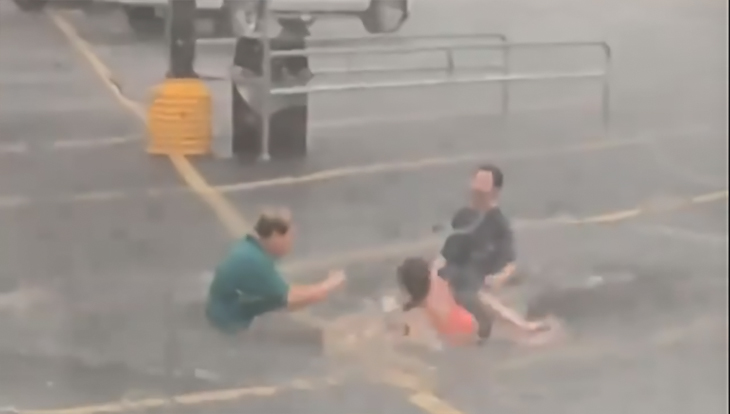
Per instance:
{"type": "Point", "coordinates": [492, 249]}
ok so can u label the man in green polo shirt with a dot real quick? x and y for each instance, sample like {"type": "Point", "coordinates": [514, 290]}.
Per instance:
{"type": "Point", "coordinates": [247, 282]}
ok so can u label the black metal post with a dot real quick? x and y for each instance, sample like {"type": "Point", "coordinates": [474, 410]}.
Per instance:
{"type": "Point", "coordinates": [286, 115]}
{"type": "Point", "coordinates": [181, 35]}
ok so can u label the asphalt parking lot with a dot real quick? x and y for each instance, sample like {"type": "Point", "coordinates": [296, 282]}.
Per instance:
{"type": "Point", "coordinates": [623, 234]}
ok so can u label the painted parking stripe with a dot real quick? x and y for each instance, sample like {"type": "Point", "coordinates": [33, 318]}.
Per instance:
{"type": "Point", "coordinates": [354, 171]}
{"type": "Point", "coordinates": [26, 147]}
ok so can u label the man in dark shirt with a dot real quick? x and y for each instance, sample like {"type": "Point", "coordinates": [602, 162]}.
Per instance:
{"type": "Point", "coordinates": [486, 253]}
{"type": "Point", "coordinates": [492, 258]}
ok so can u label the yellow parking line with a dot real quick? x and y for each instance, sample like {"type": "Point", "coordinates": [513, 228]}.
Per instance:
{"type": "Point", "coordinates": [228, 215]}
{"type": "Point", "coordinates": [22, 148]}
{"type": "Point", "coordinates": [433, 162]}
{"type": "Point", "coordinates": [338, 173]}
{"type": "Point", "coordinates": [432, 404]}
{"type": "Point", "coordinates": [695, 134]}
{"type": "Point", "coordinates": [418, 394]}
{"type": "Point", "coordinates": [197, 398]}
{"type": "Point", "coordinates": [105, 75]}
{"type": "Point", "coordinates": [383, 252]}
{"type": "Point", "coordinates": [598, 350]}
{"type": "Point", "coordinates": [94, 143]}
{"type": "Point", "coordinates": [710, 197]}
{"type": "Point", "coordinates": [191, 175]}
{"type": "Point", "coordinates": [13, 148]}
{"type": "Point", "coordinates": [232, 220]}
{"type": "Point", "coordinates": [12, 202]}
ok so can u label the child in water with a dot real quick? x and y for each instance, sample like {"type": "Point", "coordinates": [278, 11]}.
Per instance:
{"type": "Point", "coordinates": [431, 296]}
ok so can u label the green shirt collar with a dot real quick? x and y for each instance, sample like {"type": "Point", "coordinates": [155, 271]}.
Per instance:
{"type": "Point", "coordinates": [257, 244]}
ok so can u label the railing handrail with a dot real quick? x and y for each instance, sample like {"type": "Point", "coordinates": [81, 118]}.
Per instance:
{"type": "Point", "coordinates": [371, 38]}
{"type": "Point", "coordinates": [396, 38]}
{"type": "Point", "coordinates": [325, 51]}
{"type": "Point", "coordinates": [401, 69]}
{"type": "Point", "coordinates": [433, 82]}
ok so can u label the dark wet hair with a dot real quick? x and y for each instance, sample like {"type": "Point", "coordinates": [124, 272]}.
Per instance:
{"type": "Point", "coordinates": [268, 224]}
{"type": "Point", "coordinates": [497, 175]}
{"type": "Point", "coordinates": [414, 275]}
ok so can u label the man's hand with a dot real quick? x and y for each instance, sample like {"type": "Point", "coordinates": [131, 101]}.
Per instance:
{"type": "Point", "coordinates": [497, 281]}
{"type": "Point", "coordinates": [301, 296]}
{"type": "Point", "coordinates": [335, 279]}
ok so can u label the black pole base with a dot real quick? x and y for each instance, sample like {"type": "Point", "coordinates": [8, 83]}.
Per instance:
{"type": "Point", "coordinates": [287, 131]}
{"type": "Point", "coordinates": [289, 115]}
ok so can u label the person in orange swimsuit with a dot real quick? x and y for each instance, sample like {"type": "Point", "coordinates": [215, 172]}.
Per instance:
{"type": "Point", "coordinates": [433, 298]}
{"type": "Point", "coordinates": [431, 295]}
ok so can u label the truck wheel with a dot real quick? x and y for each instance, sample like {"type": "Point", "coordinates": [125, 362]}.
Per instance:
{"type": "Point", "coordinates": [144, 21]}
{"type": "Point", "coordinates": [95, 8]}
{"type": "Point", "coordinates": [384, 16]}
{"type": "Point", "coordinates": [30, 5]}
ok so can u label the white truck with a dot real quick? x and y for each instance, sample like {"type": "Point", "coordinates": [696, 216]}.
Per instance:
{"type": "Point", "coordinates": [38, 5]}
{"type": "Point", "coordinates": [148, 16]}
{"type": "Point", "coordinates": [377, 16]}
{"type": "Point", "coordinates": [30, 5]}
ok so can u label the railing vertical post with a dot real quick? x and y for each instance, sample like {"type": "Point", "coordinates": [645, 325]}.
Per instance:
{"type": "Point", "coordinates": [606, 90]}
{"type": "Point", "coordinates": [450, 61]}
{"type": "Point", "coordinates": [264, 14]}
{"type": "Point", "coordinates": [171, 347]}
{"type": "Point", "coordinates": [505, 86]}
{"type": "Point", "coordinates": [266, 126]}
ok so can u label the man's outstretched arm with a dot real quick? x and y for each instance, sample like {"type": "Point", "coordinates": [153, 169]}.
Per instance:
{"type": "Point", "coordinates": [301, 296]}
{"type": "Point", "coordinates": [274, 293]}
{"type": "Point", "coordinates": [510, 315]}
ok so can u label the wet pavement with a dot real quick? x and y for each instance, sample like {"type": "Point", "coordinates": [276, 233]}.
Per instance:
{"type": "Point", "coordinates": [82, 283]}
{"type": "Point", "coordinates": [102, 280]}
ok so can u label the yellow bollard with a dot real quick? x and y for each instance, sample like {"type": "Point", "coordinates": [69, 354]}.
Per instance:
{"type": "Point", "coordinates": [179, 120]}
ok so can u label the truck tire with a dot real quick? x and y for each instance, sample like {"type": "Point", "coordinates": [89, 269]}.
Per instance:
{"type": "Point", "coordinates": [30, 5]}
{"type": "Point", "coordinates": [384, 16]}
{"type": "Point", "coordinates": [144, 21]}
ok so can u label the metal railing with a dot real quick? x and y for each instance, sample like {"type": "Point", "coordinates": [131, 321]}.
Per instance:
{"type": "Point", "coordinates": [504, 78]}
{"type": "Point", "coordinates": [319, 41]}
{"type": "Point", "coordinates": [399, 44]}
{"type": "Point", "coordinates": [431, 82]}
{"type": "Point", "coordinates": [448, 50]}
